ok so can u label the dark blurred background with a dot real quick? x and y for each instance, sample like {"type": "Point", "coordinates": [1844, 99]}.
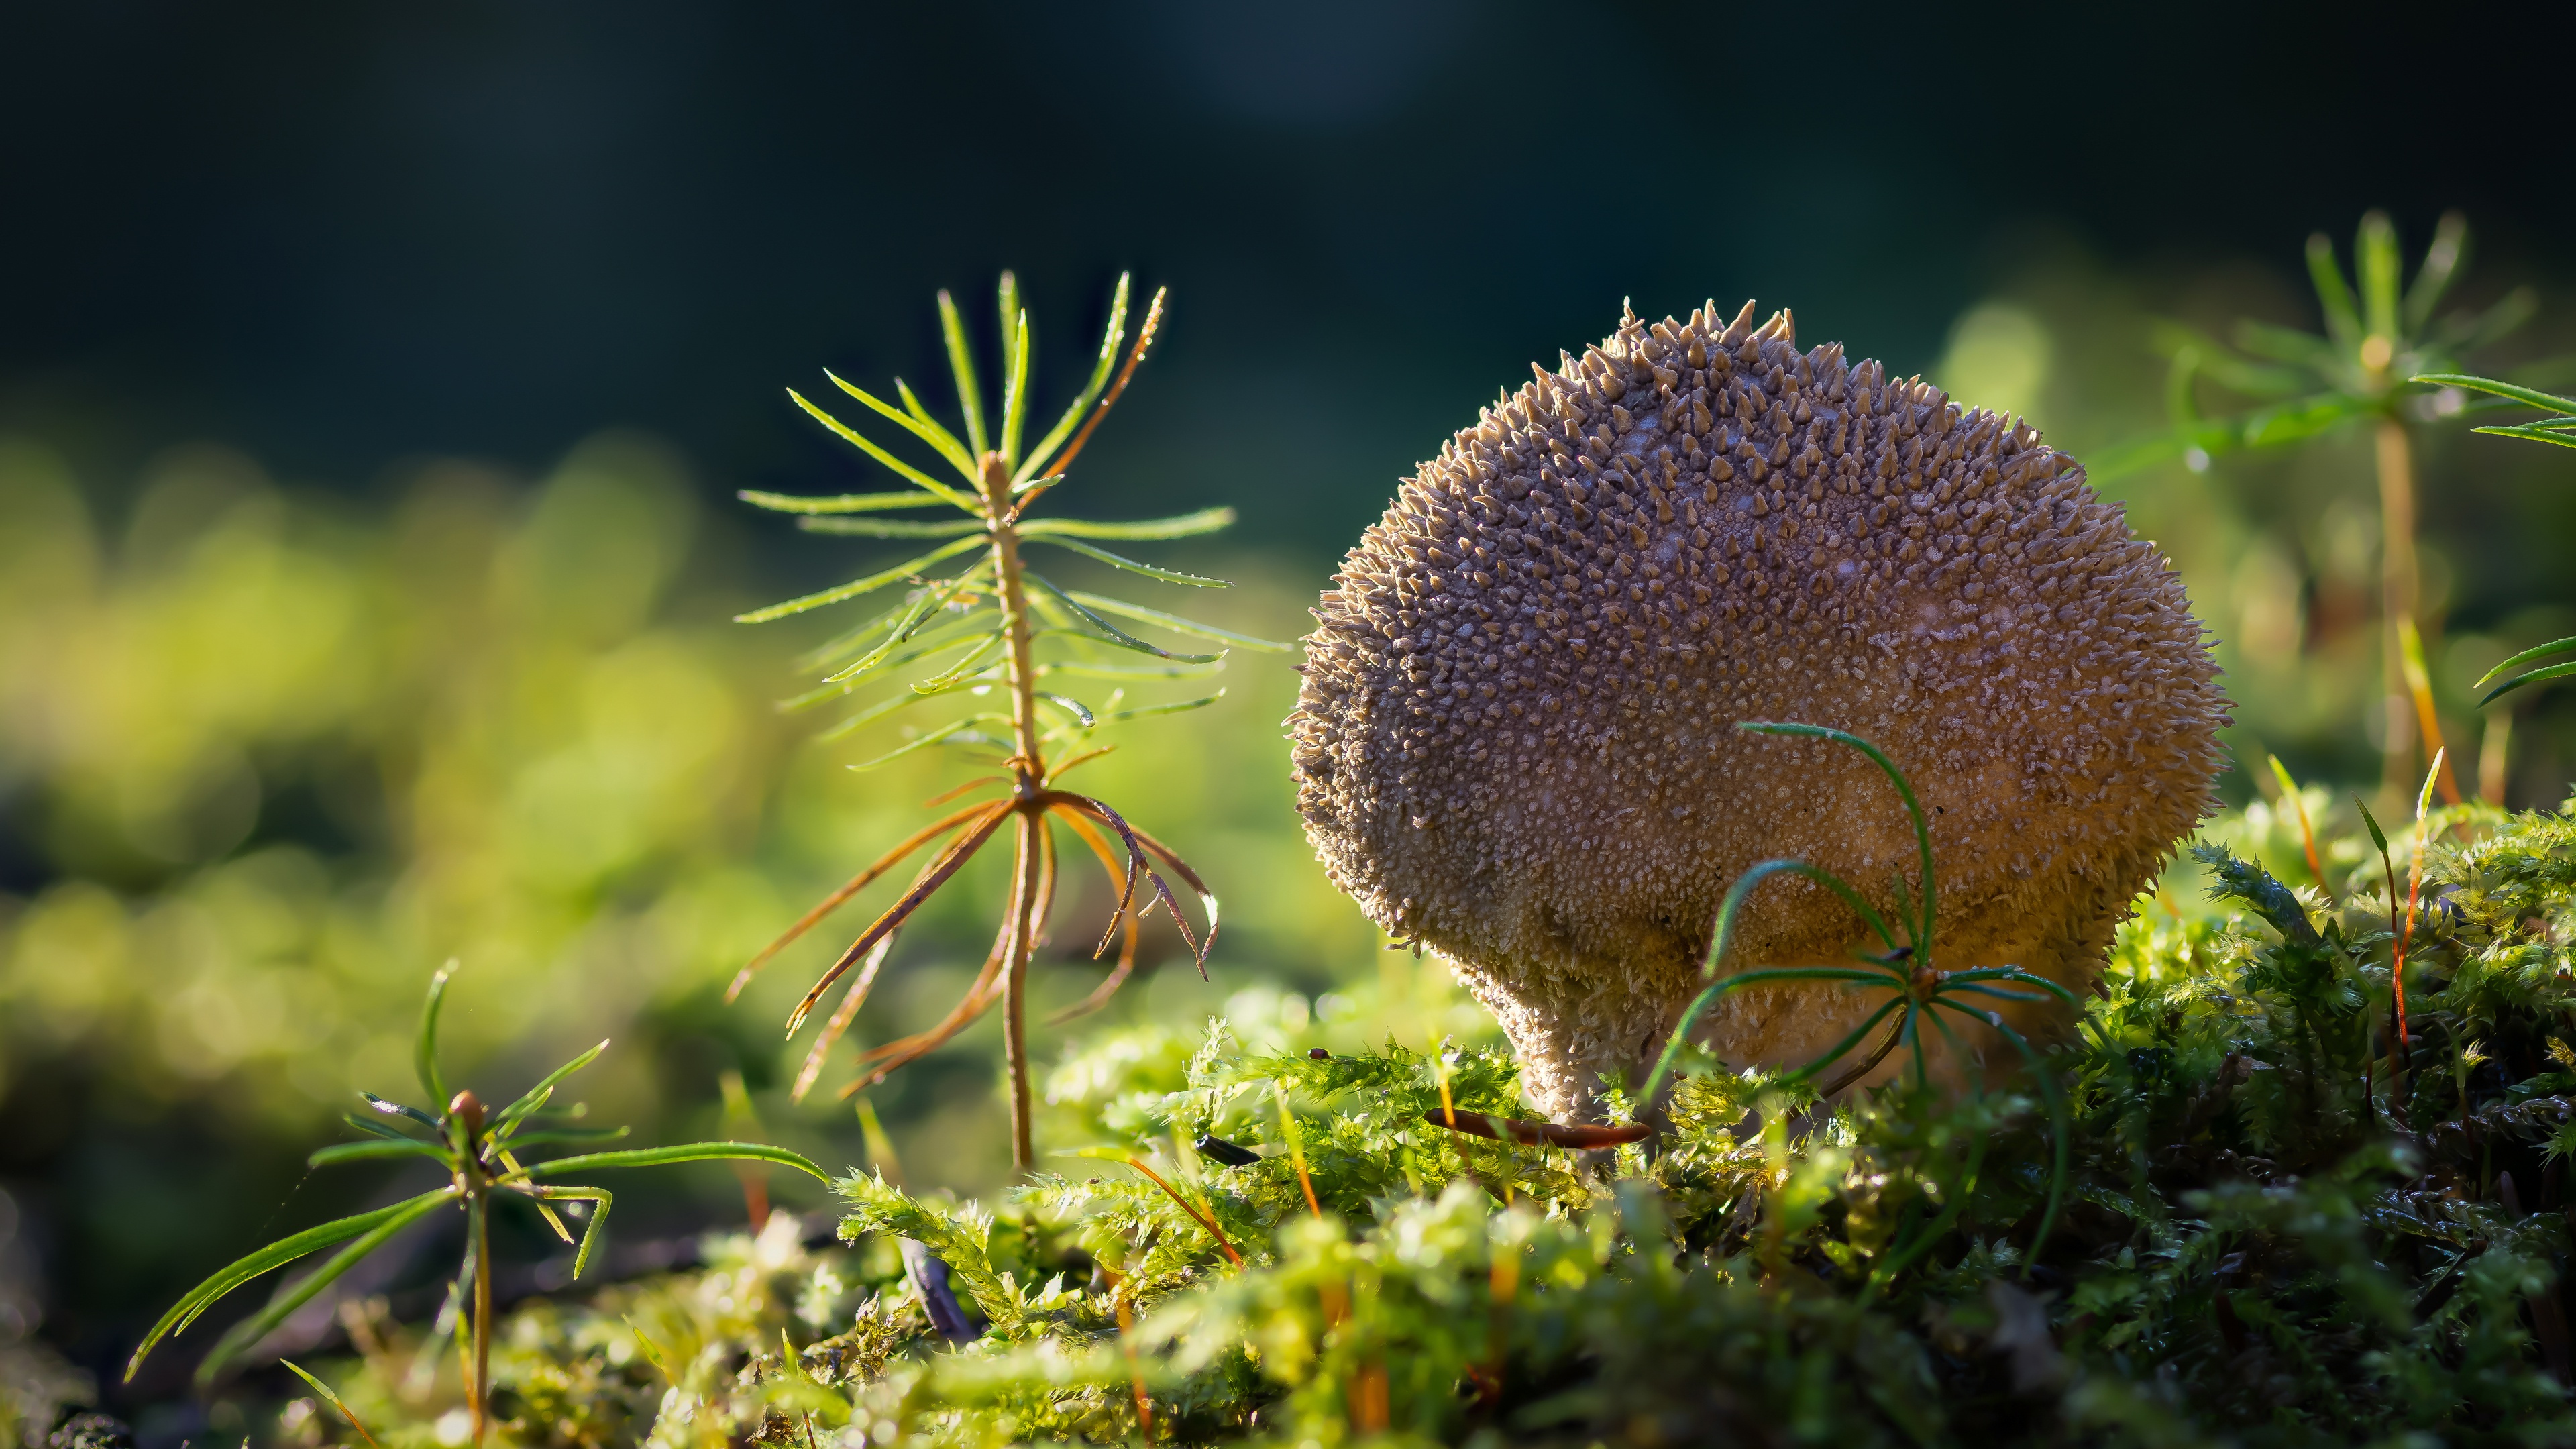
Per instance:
{"type": "Point", "coordinates": [374, 380]}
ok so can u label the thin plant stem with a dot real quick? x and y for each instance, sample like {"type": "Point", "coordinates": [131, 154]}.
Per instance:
{"type": "Point", "coordinates": [1191, 1208]}
{"type": "Point", "coordinates": [1028, 781]}
{"type": "Point", "coordinates": [481, 1389]}
{"type": "Point", "coordinates": [2419, 688]}
{"type": "Point", "coordinates": [2398, 590]}
{"type": "Point", "coordinates": [1296, 1146]}
{"type": "Point", "coordinates": [1015, 1014]}
{"type": "Point", "coordinates": [2493, 756]}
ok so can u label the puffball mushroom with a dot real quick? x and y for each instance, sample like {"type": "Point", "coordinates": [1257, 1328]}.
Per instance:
{"type": "Point", "coordinates": [1515, 742]}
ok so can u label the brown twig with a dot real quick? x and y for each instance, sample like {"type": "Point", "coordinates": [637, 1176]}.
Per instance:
{"type": "Point", "coordinates": [1135, 1365]}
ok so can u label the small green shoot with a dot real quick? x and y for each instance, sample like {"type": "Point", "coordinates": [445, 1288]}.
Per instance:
{"type": "Point", "coordinates": [979, 627]}
{"type": "Point", "coordinates": [480, 1151]}
{"type": "Point", "coordinates": [1918, 992]}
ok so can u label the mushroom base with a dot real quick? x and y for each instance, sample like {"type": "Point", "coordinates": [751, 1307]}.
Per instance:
{"type": "Point", "coordinates": [1627, 1007]}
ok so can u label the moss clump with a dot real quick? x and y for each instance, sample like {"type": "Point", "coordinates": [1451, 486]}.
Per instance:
{"type": "Point", "coordinates": [2265, 1243]}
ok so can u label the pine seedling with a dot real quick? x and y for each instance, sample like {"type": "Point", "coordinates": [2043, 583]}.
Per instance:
{"type": "Point", "coordinates": [974, 629]}
{"type": "Point", "coordinates": [2379, 339]}
{"type": "Point", "coordinates": [1918, 993]}
{"type": "Point", "coordinates": [480, 1152]}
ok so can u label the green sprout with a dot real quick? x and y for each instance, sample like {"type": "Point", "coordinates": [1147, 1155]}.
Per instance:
{"type": "Point", "coordinates": [2377, 342]}
{"type": "Point", "coordinates": [480, 1151]}
{"type": "Point", "coordinates": [976, 630]}
{"type": "Point", "coordinates": [1918, 992]}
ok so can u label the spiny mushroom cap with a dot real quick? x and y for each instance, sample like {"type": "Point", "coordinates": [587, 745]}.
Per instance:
{"type": "Point", "coordinates": [1515, 739]}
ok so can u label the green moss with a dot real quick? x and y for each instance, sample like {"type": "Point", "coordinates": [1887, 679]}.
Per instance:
{"type": "Point", "coordinates": [2256, 1249]}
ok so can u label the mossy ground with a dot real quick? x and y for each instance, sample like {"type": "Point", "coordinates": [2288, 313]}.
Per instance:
{"type": "Point", "coordinates": [2262, 1243]}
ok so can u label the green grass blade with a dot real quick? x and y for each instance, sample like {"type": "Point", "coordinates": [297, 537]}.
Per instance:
{"type": "Point", "coordinates": [367, 1151]}
{"type": "Point", "coordinates": [1101, 629]}
{"type": "Point", "coordinates": [328, 1397]}
{"type": "Point", "coordinates": [840, 645]}
{"type": "Point", "coordinates": [1006, 306]}
{"type": "Point", "coordinates": [408, 1114]}
{"type": "Point", "coordinates": [2306, 352]}
{"type": "Point", "coordinates": [2537, 676]}
{"type": "Point", "coordinates": [973, 660]}
{"type": "Point", "coordinates": [277, 1255]}
{"type": "Point", "coordinates": [1110, 338]}
{"type": "Point", "coordinates": [1996, 992]}
{"type": "Point", "coordinates": [1723, 935]}
{"type": "Point", "coordinates": [526, 1140]}
{"type": "Point", "coordinates": [890, 527]}
{"type": "Point", "coordinates": [1150, 710]}
{"type": "Point", "coordinates": [1015, 394]}
{"type": "Point", "coordinates": [856, 677]}
{"type": "Point", "coordinates": [2301, 419]}
{"type": "Point", "coordinates": [1913, 808]}
{"type": "Point", "coordinates": [536, 1096]}
{"type": "Point", "coordinates": [1115, 561]}
{"type": "Point", "coordinates": [2378, 836]}
{"type": "Point", "coordinates": [909, 568]}
{"type": "Point", "coordinates": [1176, 624]}
{"type": "Point", "coordinates": [1068, 706]}
{"type": "Point", "coordinates": [838, 503]}
{"type": "Point", "coordinates": [1858, 1035]}
{"type": "Point", "coordinates": [2333, 295]}
{"type": "Point", "coordinates": [915, 618]}
{"type": "Point", "coordinates": [961, 363]}
{"type": "Point", "coordinates": [424, 1051]}
{"type": "Point", "coordinates": [932, 737]}
{"type": "Point", "coordinates": [932, 630]}
{"type": "Point", "coordinates": [2441, 264]}
{"type": "Point", "coordinates": [2018, 977]}
{"type": "Point", "coordinates": [861, 679]}
{"type": "Point", "coordinates": [377, 1128]}
{"type": "Point", "coordinates": [1185, 525]}
{"type": "Point", "coordinates": [603, 1200]}
{"type": "Point", "coordinates": [2530, 432]}
{"type": "Point", "coordinates": [2374, 258]}
{"type": "Point", "coordinates": [866, 445]}
{"type": "Point", "coordinates": [2536, 652]}
{"type": "Point", "coordinates": [2281, 774]}
{"type": "Point", "coordinates": [934, 432]}
{"type": "Point", "coordinates": [2468, 334]}
{"type": "Point", "coordinates": [685, 1152]}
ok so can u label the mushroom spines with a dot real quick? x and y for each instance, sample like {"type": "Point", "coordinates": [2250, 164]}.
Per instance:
{"type": "Point", "coordinates": [1514, 741]}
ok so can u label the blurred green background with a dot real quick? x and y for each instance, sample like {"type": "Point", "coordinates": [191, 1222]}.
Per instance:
{"type": "Point", "coordinates": [374, 384]}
